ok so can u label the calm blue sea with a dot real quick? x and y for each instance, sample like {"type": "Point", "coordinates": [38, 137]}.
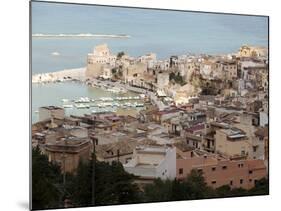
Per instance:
{"type": "Point", "coordinates": [162, 32]}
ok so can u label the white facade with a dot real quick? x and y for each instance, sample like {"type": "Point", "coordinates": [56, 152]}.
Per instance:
{"type": "Point", "coordinates": [206, 70]}
{"type": "Point", "coordinates": [263, 119]}
{"type": "Point", "coordinates": [106, 72]}
{"type": "Point", "coordinates": [162, 80]}
{"type": "Point", "coordinates": [101, 55]}
{"type": "Point", "coordinates": [153, 162]}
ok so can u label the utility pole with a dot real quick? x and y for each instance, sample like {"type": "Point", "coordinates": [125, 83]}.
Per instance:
{"type": "Point", "coordinates": [94, 141]}
{"type": "Point", "coordinates": [118, 155]}
{"type": "Point", "coordinates": [93, 168]}
{"type": "Point", "coordinates": [63, 155]}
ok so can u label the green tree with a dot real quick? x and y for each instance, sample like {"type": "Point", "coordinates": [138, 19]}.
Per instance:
{"type": "Point", "coordinates": [120, 188]}
{"type": "Point", "coordinates": [46, 178]}
{"type": "Point", "coordinates": [79, 185]}
{"type": "Point", "coordinates": [114, 70]}
{"type": "Point", "coordinates": [193, 187]}
{"type": "Point", "coordinates": [112, 185]}
{"type": "Point", "coordinates": [197, 187]}
{"type": "Point", "coordinates": [261, 187]}
{"type": "Point", "coordinates": [177, 78]}
{"type": "Point", "coordinates": [158, 191]}
{"type": "Point", "coordinates": [120, 54]}
{"type": "Point", "coordinates": [223, 191]}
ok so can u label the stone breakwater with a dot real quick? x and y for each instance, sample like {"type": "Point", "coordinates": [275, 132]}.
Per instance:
{"type": "Point", "coordinates": [63, 75]}
{"type": "Point", "coordinates": [79, 75]}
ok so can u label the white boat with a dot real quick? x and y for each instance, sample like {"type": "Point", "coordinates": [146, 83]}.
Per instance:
{"type": "Point", "coordinates": [107, 104]}
{"type": "Point", "coordinates": [55, 53]}
{"type": "Point", "coordinates": [128, 104]}
{"type": "Point", "coordinates": [81, 106]}
{"type": "Point", "coordinates": [67, 106]}
{"type": "Point", "coordinates": [65, 100]}
{"type": "Point", "coordinates": [83, 100]}
{"type": "Point", "coordinates": [115, 104]}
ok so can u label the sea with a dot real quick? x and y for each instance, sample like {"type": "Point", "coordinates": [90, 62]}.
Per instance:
{"type": "Point", "coordinates": [162, 32]}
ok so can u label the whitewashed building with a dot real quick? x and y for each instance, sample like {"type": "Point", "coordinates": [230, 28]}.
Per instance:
{"type": "Point", "coordinates": [151, 162]}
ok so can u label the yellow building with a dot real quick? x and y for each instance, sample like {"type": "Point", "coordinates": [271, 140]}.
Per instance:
{"type": "Point", "coordinates": [250, 51]}
{"type": "Point", "coordinates": [100, 56]}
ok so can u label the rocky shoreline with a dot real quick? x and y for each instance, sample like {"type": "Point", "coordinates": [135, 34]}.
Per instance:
{"type": "Point", "coordinates": [59, 76]}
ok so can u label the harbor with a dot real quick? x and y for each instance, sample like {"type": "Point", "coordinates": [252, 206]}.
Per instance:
{"type": "Point", "coordinates": [86, 99]}
{"type": "Point", "coordinates": [91, 95]}
{"type": "Point", "coordinates": [105, 102]}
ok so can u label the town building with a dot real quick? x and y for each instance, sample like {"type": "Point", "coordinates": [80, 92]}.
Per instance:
{"type": "Point", "coordinates": [68, 152]}
{"type": "Point", "coordinates": [100, 56]}
{"type": "Point", "coordinates": [48, 112]}
{"type": "Point", "coordinates": [152, 162]}
{"type": "Point", "coordinates": [219, 171]}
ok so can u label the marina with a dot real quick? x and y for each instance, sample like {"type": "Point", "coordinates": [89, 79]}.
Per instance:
{"type": "Point", "coordinates": [105, 102]}
{"type": "Point", "coordinates": [85, 99]}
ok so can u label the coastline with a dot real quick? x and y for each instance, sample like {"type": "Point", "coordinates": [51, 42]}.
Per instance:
{"type": "Point", "coordinates": [78, 74]}
{"type": "Point", "coordinates": [59, 76]}
{"type": "Point", "coordinates": [81, 35]}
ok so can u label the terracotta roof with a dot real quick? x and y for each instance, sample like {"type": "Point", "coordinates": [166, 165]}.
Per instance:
{"type": "Point", "coordinates": [195, 128]}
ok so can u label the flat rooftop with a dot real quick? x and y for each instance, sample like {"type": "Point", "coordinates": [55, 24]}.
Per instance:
{"type": "Point", "coordinates": [51, 108]}
{"type": "Point", "coordinates": [152, 149]}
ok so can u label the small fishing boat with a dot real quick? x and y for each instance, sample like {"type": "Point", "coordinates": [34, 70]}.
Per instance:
{"type": "Point", "coordinates": [65, 100]}
{"type": "Point", "coordinates": [82, 106]}
{"type": "Point", "coordinates": [67, 106]}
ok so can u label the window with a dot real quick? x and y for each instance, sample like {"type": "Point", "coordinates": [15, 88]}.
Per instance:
{"type": "Point", "coordinates": [250, 180]}
{"type": "Point", "coordinates": [250, 172]}
{"type": "Point", "coordinates": [241, 181]}
{"type": "Point", "coordinates": [180, 171]}
{"type": "Point", "coordinates": [240, 165]}
{"type": "Point", "coordinates": [214, 168]}
{"type": "Point", "coordinates": [224, 167]}
{"type": "Point", "coordinates": [231, 182]}
{"type": "Point", "coordinates": [214, 182]}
